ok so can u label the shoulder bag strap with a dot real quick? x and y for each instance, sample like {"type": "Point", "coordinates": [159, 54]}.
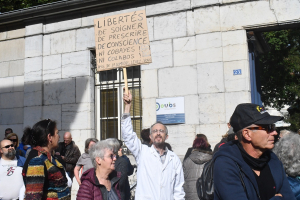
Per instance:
{"type": "Point", "coordinates": [241, 175]}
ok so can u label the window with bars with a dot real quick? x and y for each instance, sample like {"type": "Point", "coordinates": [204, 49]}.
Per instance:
{"type": "Point", "coordinates": [109, 103]}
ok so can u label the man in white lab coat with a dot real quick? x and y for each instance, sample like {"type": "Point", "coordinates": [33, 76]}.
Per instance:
{"type": "Point", "coordinates": [159, 174]}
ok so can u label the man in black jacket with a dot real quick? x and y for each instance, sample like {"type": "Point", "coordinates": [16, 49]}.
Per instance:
{"type": "Point", "coordinates": [69, 152]}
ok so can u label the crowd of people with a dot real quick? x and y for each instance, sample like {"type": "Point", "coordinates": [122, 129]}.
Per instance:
{"type": "Point", "coordinates": [48, 169]}
{"type": "Point", "coordinates": [250, 162]}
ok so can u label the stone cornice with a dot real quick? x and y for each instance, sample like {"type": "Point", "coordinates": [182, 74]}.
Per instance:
{"type": "Point", "coordinates": [57, 8]}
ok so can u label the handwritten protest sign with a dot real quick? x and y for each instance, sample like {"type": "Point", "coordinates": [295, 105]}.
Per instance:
{"type": "Point", "coordinates": [122, 41]}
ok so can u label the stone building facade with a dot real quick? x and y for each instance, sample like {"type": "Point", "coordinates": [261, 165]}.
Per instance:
{"type": "Point", "coordinates": [45, 62]}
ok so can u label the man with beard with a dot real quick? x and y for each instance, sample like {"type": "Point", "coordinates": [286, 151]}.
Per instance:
{"type": "Point", "coordinates": [159, 174]}
{"type": "Point", "coordinates": [11, 180]}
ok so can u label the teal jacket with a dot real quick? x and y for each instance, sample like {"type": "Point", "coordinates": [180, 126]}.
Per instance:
{"type": "Point", "coordinates": [21, 161]}
{"type": "Point", "coordinates": [295, 186]}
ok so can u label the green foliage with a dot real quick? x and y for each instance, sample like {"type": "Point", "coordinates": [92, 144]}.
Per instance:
{"type": "Point", "coordinates": [9, 5]}
{"type": "Point", "coordinates": [280, 71]}
{"type": "Point", "coordinates": [294, 120]}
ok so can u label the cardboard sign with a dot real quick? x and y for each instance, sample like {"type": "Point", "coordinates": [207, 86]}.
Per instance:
{"type": "Point", "coordinates": [122, 41]}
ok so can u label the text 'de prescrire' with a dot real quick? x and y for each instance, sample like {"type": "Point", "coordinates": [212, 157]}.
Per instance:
{"type": "Point", "coordinates": [122, 41]}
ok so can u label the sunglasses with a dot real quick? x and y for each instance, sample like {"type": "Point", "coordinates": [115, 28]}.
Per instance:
{"type": "Point", "coordinates": [14, 140]}
{"type": "Point", "coordinates": [268, 127]}
{"type": "Point", "coordinates": [7, 146]}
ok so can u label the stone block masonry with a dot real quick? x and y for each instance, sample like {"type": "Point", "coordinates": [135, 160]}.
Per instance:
{"type": "Point", "coordinates": [63, 42]}
{"type": "Point", "coordinates": [210, 78]}
{"type": "Point", "coordinates": [34, 46]}
{"type": "Point", "coordinates": [174, 23]}
{"type": "Point", "coordinates": [185, 51]}
{"type": "Point", "coordinates": [12, 50]}
{"type": "Point", "coordinates": [52, 67]}
{"type": "Point", "coordinates": [174, 81]}
{"type": "Point", "coordinates": [33, 69]}
{"type": "Point", "coordinates": [162, 55]}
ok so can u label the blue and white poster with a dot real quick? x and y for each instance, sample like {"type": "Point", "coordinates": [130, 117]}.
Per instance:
{"type": "Point", "coordinates": [170, 110]}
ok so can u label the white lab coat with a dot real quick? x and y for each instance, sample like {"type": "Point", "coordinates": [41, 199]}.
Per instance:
{"type": "Point", "coordinates": [155, 181]}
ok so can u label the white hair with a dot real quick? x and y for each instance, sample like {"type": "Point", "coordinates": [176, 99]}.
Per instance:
{"type": "Point", "coordinates": [98, 151]}
{"type": "Point", "coordinates": [114, 143]}
{"type": "Point", "coordinates": [287, 150]}
{"type": "Point", "coordinates": [284, 132]}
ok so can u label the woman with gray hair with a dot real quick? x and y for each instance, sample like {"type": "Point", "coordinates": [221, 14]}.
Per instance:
{"type": "Point", "coordinates": [287, 150]}
{"type": "Point", "coordinates": [84, 162]}
{"type": "Point", "coordinates": [102, 181]}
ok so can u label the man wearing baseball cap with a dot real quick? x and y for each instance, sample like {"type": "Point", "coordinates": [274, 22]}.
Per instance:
{"type": "Point", "coordinates": [247, 168]}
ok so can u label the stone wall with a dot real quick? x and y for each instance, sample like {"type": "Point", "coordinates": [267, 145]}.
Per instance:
{"type": "Point", "coordinates": [47, 74]}
{"type": "Point", "coordinates": [12, 55]}
{"type": "Point", "coordinates": [195, 47]}
{"type": "Point", "coordinates": [45, 67]}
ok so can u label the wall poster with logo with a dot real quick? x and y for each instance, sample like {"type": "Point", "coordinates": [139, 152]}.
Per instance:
{"type": "Point", "coordinates": [170, 110]}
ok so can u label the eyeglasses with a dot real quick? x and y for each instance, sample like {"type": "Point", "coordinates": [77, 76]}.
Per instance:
{"type": "Point", "coordinates": [112, 156]}
{"type": "Point", "coordinates": [7, 146]}
{"type": "Point", "coordinates": [13, 140]}
{"type": "Point", "coordinates": [156, 130]}
{"type": "Point", "coordinates": [268, 127]}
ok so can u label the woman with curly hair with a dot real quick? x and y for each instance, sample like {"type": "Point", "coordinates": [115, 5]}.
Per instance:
{"type": "Point", "coordinates": [287, 150]}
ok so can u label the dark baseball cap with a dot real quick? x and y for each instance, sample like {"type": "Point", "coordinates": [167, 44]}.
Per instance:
{"type": "Point", "coordinates": [246, 114]}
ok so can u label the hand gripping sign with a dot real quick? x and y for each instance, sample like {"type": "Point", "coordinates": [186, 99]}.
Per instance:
{"type": "Point", "coordinates": [122, 41]}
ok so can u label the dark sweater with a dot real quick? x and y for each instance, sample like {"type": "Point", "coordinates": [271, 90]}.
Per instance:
{"type": "Point", "coordinates": [121, 165]}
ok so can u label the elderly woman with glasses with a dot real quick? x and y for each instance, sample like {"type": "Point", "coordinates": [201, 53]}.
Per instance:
{"type": "Point", "coordinates": [102, 181]}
